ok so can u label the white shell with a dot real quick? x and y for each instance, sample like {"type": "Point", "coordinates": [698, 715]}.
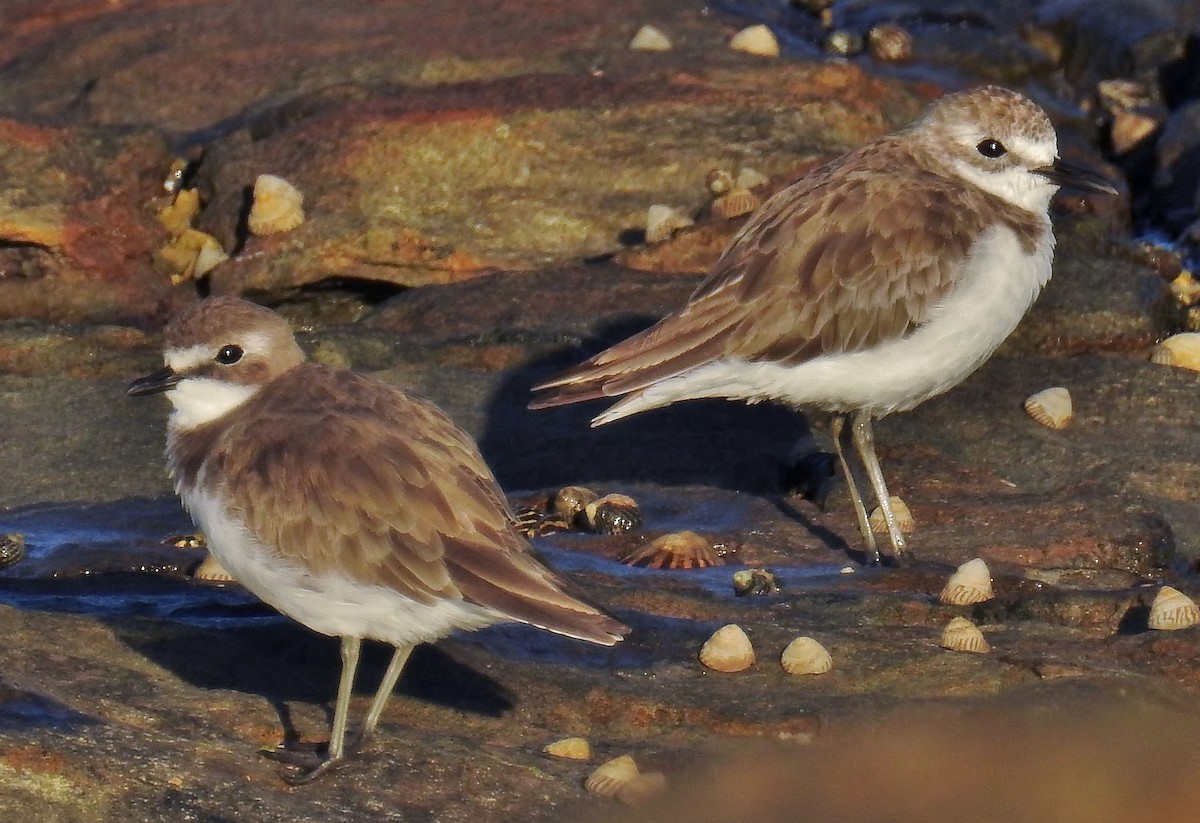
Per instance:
{"type": "Point", "coordinates": [570, 748]}
{"type": "Point", "coordinates": [663, 221]}
{"type": "Point", "coordinates": [904, 518]}
{"type": "Point", "coordinates": [210, 256]}
{"type": "Point", "coordinates": [718, 181]}
{"type": "Point", "coordinates": [1050, 407]}
{"type": "Point", "coordinates": [758, 40]}
{"type": "Point", "coordinates": [611, 776]}
{"type": "Point", "coordinates": [728, 650]}
{"type": "Point", "coordinates": [961, 635]}
{"type": "Point", "coordinates": [970, 583]}
{"type": "Point", "coordinates": [277, 206]}
{"type": "Point", "coordinates": [751, 179]}
{"type": "Point", "coordinates": [805, 655]}
{"type": "Point", "coordinates": [1172, 609]}
{"type": "Point", "coordinates": [649, 38]}
{"type": "Point", "coordinates": [1181, 350]}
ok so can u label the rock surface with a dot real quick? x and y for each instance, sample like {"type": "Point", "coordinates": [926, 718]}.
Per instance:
{"type": "Point", "coordinates": [476, 187]}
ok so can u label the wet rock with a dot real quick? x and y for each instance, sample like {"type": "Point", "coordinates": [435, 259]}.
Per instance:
{"type": "Point", "coordinates": [75, 234]}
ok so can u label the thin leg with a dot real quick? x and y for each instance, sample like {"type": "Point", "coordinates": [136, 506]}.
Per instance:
{"type": "Point", "coordinates": [836, 430]}
{"type": "Point", "coordinates": [399, 658]}
{"type": "Point", "coordinates": [337, 737]}
{"type": "Point", "coordinates": [864, 440]}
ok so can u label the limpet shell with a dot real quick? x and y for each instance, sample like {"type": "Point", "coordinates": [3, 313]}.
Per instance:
{"type": "Point", "coordinates": [12, 548]}
{"type": "Point", "coordinates": [570, 501]}
{"type": "Point", "coordinates": [1181, 350]}
{"type": "Point", "coordinates": [211, 570]}
{"type": "Point", "coordinates": [758, 40]}
{"type": "Point", "coordinates": [612, 514]}
{"type": "Point", "coordinates": [648, 38]}
{"type": "Point", "coordinates": [677, 550]}
{"type": "Point", "coordinates": [641, 788]}
{"type": "Point", "coordinates": [961, 635]}
{"type": "Point", "coordinates": [970, 583]}
{"type": "Point", "coordinates": [570, 748]}
{"type": "Point", "coordinates": [611, 776]}
{"type": "Point", "coordinates": [663, 221]}
{"type": "Point", "coordinates": [1172, 610]}
{"type": "Point", "coordinates": [277, 206]}
{"type": "Point", "coordinates": [718, 181]}
{"type": "Point", "coordinates": [728, 650]}
{"type": "Point", "coordinates": [889, 43]}
{"type": "Point", "coordinates": [736, 202]}
{"type": "Point", "coordinates": [904, 518]}
{"type": "Point", "coordinates": [1051, 407]}
{"type": "Point", "coordinates": [805, 655]}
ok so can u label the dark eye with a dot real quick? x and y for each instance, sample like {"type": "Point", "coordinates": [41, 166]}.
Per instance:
{"type": "Point", "coordinates": [991, 148]}
{"type": "Point", "coordinates": [228, 355]}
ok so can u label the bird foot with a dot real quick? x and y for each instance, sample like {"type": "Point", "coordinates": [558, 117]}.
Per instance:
{"type": "Point", "coordinates": [302, 763]}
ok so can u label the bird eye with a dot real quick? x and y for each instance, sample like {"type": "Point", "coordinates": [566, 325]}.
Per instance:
{"type": "Point", "coordinates": [991, 148]}
{"type": "Point", "coordinates": [228, 355]}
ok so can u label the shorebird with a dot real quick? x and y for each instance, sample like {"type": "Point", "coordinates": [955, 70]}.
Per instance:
{"type": "Point", "coordinates": [346, 504]}
{"type": "Point", "coordinates": [878, 281]}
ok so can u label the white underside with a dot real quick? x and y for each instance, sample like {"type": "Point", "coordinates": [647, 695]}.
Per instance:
{"type": "Point", "coordinates": [330, 604]}
{"type": "Point", "coordinates": [999, 283]}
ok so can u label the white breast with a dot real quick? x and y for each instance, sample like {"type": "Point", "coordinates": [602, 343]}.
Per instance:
{"type": "Point", "coordinates": [999, 282]}
{"type": "Point", "coordinates": [331, 604]}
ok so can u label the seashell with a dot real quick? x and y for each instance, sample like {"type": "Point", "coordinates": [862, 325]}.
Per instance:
{"type": "Point", "coordinates": [1050, 407]}
{"type": "Point", "coordinates": [277, 206]}
{"type": "Point", "coordinates": [843, 43]}
{"type": "Point", "coordinates": [649, 38]}
{"type": "Point", "coordinates": [718, 181]}
{"type": "Point", "coordinates": [641, 788]}
{"type": "Point", "coordinates": [758, 40]}
{"type": "Point", "coordinates": [663, 221]}
{"type": "Point", "coordinates": [1130, 128]}
{"type": "Point", "coordinates": [12, 548]}
{"type": "Point", "coordinates": [1181, 350]}
{"type": "Point", "coordinates": [970, 583]}
{"type": "Point", "coordinates": [751, 179]}
{"type": "Point", "coordinates": [211, 570]}
{"type": "Point", "coordinates": [209, 257]}
{"type": "Point", "coordinates": [612, 514]}
{"type": "Point", "coordinates": [570, 748]}
{"type": "Point", "coordinates": [805, 655]}
{"type": "Point", "coordinates": [961, 635]}
{"type": "Point", "coordinates": [728, 650]}
{"type": "Point", "coordinates": [889, 43]}
{"type": "Point", "coordinates": [570, 501]}
{"type": "Point", "coordinates": [755, 581]}
{"type": "Point", "coordinates": [611, 776]}
{"type": "Point", "coordinates": [1186, 289]}
{"type": "Point", "coordinates": [179, 214]}
{"type": "Point", "coordinates": [736, 202]}
{"type": "Point", "coordinates": [1172, 609]}
{"type": "Point", "coordinates": [904, 518]}
{"type": "Point", "coordinates": [678, 550]}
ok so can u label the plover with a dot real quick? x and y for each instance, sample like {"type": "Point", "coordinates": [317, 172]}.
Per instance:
{"type": "Point", "coordinates": [346, 504]}
{"type": "Point", "coordinates": [876, 282]}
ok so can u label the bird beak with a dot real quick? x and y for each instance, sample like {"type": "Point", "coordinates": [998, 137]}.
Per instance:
{"type": "Point", "coordinates": [1075, 177]}
{"type": "Point", "coordinates": [161, 381]}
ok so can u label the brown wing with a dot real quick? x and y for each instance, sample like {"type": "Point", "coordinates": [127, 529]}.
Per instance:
{"type": "Point", "coordinates": [346, 472]}
{"type": "Point", "coordinates": [839, 261]}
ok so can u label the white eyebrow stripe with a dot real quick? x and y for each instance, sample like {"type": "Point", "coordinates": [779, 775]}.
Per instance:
{"type": "Point", "coordinates": [185, 359]}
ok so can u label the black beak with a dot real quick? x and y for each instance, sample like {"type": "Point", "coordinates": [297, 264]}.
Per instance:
{"type": "Point", "coordinates": [1075, 177]}
{"type": "Point", "coordinates": [161, 381]}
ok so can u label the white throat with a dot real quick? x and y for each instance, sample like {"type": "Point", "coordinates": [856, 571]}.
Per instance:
{"type": "Point", "coordinates": [200, 400]}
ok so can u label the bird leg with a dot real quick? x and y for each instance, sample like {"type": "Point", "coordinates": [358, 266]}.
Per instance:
{"type": "Point", "coordinates": [309, 765]}
{"type": "Point", "coordinates": [837, 430]}
{"type": "Point", "coordinates": [864, 441]}
{"type": "Point", "coordinates": [386, 685]}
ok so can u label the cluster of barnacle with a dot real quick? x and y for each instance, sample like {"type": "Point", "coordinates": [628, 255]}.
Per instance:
{"type": "Point", "coordinates": [733, 196]}
{"type": "Point", "coordinates": [578, 508]}
{"type": "Point", "coordinates": [12, 549]}
{"type": "Point", "coordinates": [277, 206]}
